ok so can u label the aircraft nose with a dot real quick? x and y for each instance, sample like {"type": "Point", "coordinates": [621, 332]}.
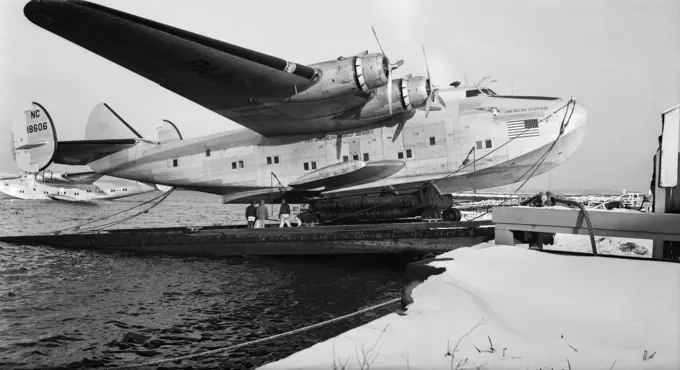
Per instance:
{"type": "Point", "coordinates": [579, 117]}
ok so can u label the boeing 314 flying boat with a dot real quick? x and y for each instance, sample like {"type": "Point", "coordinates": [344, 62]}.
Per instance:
{"type": "Point", "coordinates": [71, 187]}
{"type": "Point", "coordinates": [344, 135]}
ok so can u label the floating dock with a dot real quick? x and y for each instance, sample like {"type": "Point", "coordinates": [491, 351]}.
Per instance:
{"type": "Point", "coordinates": [393, 238]}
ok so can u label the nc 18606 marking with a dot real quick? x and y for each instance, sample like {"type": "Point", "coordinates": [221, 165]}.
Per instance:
{"type": "Point", "coordinates": [42, 126]}
{"type": "Point", "coordinates": [35, 114]}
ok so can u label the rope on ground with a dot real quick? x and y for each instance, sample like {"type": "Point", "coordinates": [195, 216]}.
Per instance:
{"type": "Point", "coordinates": [261, 340]}
{"type": "Point", "coordinates": [79, 227]}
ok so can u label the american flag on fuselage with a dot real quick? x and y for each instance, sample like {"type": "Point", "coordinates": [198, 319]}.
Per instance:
{"type": "Point", "coordinates": [523, 128]}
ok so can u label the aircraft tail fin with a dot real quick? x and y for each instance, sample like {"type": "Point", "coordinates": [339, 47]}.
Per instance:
{"type": "Point", "coordinates": [168, 132]}
{"type": "Point", "coordinates": [105, 124]}
{"type": "Point", "coordinates": [35, 145]}
{"type": "Point", "coordinates": [35, 142]}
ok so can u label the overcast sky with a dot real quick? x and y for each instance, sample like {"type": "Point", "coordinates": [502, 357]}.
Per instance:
{"type": "Point", "coordinates": [620, 58]}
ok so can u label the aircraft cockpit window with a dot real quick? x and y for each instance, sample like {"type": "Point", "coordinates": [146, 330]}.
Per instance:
{"type": "Point", "coordinates": [471, 93]}
{"type": "Point", "coordinates": [276, 159]}
{"type": "Point", "coordinates": [240, 164]}
{"type": "Point", "coordinates": [355, 157]}
{"type": "Point", "coordinates": [475, 92]}
{"type": "Point", "coordinates": [409, 153]}
{"type": "Point", "coordinates": [365, 157]}
{"type": "Point", "coordinates": [345, 158]}
{"type": "Point", "coordinates": [306, 166]}
{"type": "Point", "coordinates": [400, 155]}
{"type": "Point", "coordinates": [479, 145]}
{"type": "Point", "coordinates": [489, 143]}
{"type": "Point", "coordinates": [269, 160]}
{"type": "Point", "coordinates": [489, 92]}
{"type": "Point", "coordinates": [313, 165]}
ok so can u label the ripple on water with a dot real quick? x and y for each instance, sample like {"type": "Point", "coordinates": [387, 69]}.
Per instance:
{"type": "Point", "coordinates": [85, 309]}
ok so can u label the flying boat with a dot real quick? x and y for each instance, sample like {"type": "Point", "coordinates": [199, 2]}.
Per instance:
{"type": "Point", "coordinates": [345, 136]}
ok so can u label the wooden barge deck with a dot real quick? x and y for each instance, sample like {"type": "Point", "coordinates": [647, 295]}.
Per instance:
{"type": "Point", "coordinates": [413, 237]}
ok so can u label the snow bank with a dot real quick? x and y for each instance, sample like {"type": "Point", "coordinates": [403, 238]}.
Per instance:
{"type": "Point", "coordinates": [522, 309]}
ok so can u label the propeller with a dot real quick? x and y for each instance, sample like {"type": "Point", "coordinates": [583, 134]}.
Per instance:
{"type": "Point", "coordinates": [433, 89]}
{"type": "Point", "coordinates": [388, 68]}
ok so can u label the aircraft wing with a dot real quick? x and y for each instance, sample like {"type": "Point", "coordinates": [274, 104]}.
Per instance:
{"type": "Point", "coordinates": [232, 81]}
{"type": "Point", "coordinates": [79, 153]}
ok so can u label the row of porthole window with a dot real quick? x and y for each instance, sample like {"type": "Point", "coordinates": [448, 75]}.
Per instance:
{"type": "Point", "coordinates": [74, 193]}
{"type": "Point", "coordinates": [312, 165]}
{"type": "Point", "coordinates": [484, 144]}
{"type": "Point", "coordinates": [275, 159]}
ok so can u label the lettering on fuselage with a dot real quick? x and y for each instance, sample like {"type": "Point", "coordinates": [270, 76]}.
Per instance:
{"type": "Point", "coordinates": [41, 126]}
{"type": "Point", "coordinates": [35, 114]}
{"type": "Point", "coordinates": [522, 110]}
{"type": "Point", "coordinates": [334, 137]}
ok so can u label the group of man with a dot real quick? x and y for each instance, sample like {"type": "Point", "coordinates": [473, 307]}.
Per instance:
{"type": "Point", "coordinates": [257, 216]}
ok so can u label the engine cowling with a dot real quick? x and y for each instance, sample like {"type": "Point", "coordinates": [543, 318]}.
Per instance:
{"type": "Point", "coordinates": [407, 93]}
{"type": "Point", "coordinates": [346, 76]}
{"type": "Point", "coordinates": [414, 91]}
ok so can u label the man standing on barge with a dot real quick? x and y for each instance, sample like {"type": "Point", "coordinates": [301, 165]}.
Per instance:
{"type": "Point", "coordinates": [251, 213]}
{"type": "Point", "coordinates": [262, 215]}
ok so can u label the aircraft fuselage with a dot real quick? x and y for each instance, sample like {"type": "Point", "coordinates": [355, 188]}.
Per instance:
{"type": "Point", "coordinates": [29, 189]}
{"type": "Point", "coordinates": [432, 148]}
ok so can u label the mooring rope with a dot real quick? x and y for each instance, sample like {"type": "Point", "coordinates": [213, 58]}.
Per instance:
{"type": "Point", "coordinates": [79, 227]}
{"type": "Point", "coordinates": [261, 340]}
{"type": "Point", "coordinates": [580, 205]}
{"type": "Point", "coordinates": [539, 162]}
{"type": "Point", "coordinates": [463, 165]}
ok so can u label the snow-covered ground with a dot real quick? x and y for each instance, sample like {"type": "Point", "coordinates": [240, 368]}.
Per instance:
{"type": "Point", "coordinates": [502, 307]}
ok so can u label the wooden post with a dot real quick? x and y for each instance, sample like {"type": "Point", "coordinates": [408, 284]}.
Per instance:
{"type": "Point", "coordinates": [659, 192]}
{"type": "Point", "coordinates": [657, 249]}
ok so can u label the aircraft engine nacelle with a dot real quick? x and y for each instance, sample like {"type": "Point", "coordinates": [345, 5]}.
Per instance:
{"type": "Point", "coordinates": [346, 76]}
{"type": "Point", "coordinates": [51, 176]}
{"type": "Point", "coordinates": [414, 91]}
{"type": "Point", "coordinates": [407, 93]}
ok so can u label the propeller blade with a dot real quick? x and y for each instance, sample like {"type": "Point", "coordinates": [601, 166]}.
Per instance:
{"type": "Point", "coordinates": [376, 39]}
{"type": "Point", "coordinates": [427, 68]}
{"type": "Point", "coordinates": [398, 64]}
{"type": "Point", "coordinates": [428, 103]}
{"type": "Point", "coordinates": [440, 100]}
{"type": "Point", "coordinates": [389, 93]}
